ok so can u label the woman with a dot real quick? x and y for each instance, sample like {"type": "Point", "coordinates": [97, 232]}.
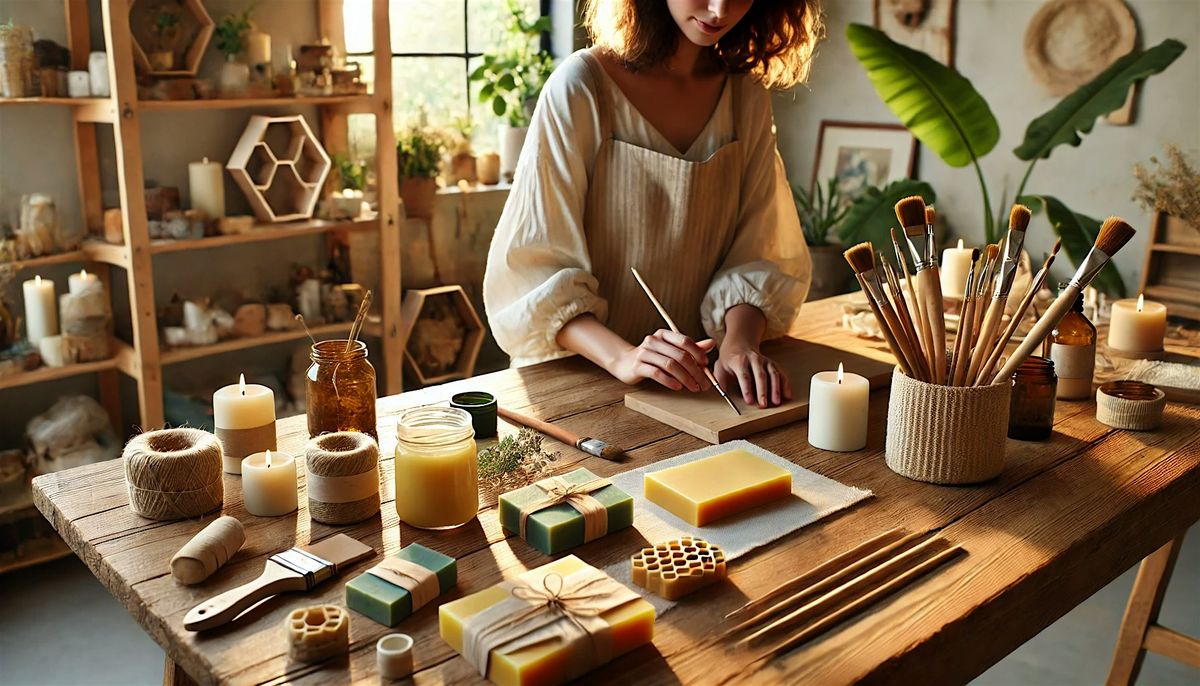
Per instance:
{"type": "Point", "coordinates": [655, 149]}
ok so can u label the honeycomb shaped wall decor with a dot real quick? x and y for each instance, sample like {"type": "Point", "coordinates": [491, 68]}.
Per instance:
{"type": "Point", "coordinates": [186, 37]}
{"type": "Point", "coordinates": [442, 332]}
{"type": "Point", "coordinates": [280, 167]}
{"type": "Point", "coordinates": [678, 567]}
{"type": "Point", "coordinates": [317, 633]}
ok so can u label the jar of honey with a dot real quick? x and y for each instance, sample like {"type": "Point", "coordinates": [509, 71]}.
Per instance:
{"type": "Point", "coordinates": [340, 389]}
{"type": "Point", "coordinates": [437, 476]}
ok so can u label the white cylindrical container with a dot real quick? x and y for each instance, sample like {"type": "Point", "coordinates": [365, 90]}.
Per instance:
{"type": "Point", "coordinates": [98, 74]}
{"type": "Point", "coordinates": [512, 139]}
{"type": "Point", "coordinates": [41, 313]}
{"type": "Point", "coordinates": [269, 484]}
{"type": "Point", "coordinates": [79, 84]}
{"type": "Point", "coordinates": [838, 404]}
{"type": "Point", "coordinates": [206, 187]}
{"type": "Point", "coordinates": [393, 654]}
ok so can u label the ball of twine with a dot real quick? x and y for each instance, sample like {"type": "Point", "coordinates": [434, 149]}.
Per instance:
{"type": "Point", "coordinates": [174, 474]}
{"type": "Point", "coordinates": [345, 453]}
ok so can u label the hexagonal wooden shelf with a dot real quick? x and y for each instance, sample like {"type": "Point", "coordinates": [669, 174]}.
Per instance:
{"type": "Point", "coordinates": [196, 27]}
{"type": "Point", "coordinates": [280, 166]}
{"type": "Point", "coordinates": [453, 307]}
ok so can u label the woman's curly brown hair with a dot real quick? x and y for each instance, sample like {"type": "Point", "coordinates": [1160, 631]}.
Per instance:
{"type": "Point", "coordinates": [774, 41]}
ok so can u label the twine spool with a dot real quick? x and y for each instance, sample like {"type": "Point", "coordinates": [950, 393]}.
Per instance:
{"type": "Point", "coordinates": [946, 434]}
{"type": "Point", "coordinates": [174, 474]}
{"type": "Point", "coordinates": [202, 556]}
{"type": "Point", "coordinates": [343, 477]}
{"type": "Point", "coordinates": [1130, 405]}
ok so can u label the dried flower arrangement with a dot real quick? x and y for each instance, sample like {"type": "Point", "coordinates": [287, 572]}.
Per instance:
{"type": "Point", "coordinates": [1173, 188]}
{"type": "Point", "coordinates": [514, 462]}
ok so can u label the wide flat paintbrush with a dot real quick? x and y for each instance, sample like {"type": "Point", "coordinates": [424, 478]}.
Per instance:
{"type": "Point", "coordinates": [911, 212]}
{"type": "Point", "coordinates": [1018, 223]}
{"type": "Point", "coordinates": [966, 319]}
{"type": "Point", "coordinates": [298, 569]}
{"type": "Point", "coordinates": [920, 321]}
{"type": "Point", "coordinates": [1035, 285]}
{"type": "Point", "coordinates": [1113, 235]}
{"type": "Point", "coordinates": [862, 260]}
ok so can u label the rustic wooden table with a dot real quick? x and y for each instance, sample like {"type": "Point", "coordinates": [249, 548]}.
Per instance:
{"type": "Point", "coordinates": [1064, 519]}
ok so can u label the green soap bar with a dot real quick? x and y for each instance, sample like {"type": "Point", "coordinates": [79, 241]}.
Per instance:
{"type": "Point", "coordinates": [560, 527]}
{"type": "Point", "coordinates": [388, 604]}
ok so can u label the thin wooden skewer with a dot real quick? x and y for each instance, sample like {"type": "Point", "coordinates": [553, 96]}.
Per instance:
{"type": "Point", "coordinates": [821, 571]}
{"type": "Point", "coordinates": [361, 317]}
{"type": "Point", "coordinates": [863, 603]}
{"type": "Point", "coordinates": [847, 591]}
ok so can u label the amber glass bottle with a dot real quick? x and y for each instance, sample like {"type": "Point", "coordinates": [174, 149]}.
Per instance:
{"type": "Point", "coordinates": [1073, 350]}
{"type": "Point", "coordinates": [1031, 410]}
{"type": "Point", "coordinates": [340, 387]}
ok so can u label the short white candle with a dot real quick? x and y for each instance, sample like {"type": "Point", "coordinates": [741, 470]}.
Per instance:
{"type": "Point", "coordinates": [269, 484]}
{"type": "Point", "coordinates": [41, 314]}
{"type": "Point", "coordinates": [78, 283]}
{"type": "Point", "coordinates": [837, 411]}
{"type": "Point", "coordinates": [242, 406]}
{"type": "Point", "coordinates": [1137, 325]}
{"type": "Point", "coordinates": [206, 186]}
{"type": "Point", "coordinates": [956, 263]}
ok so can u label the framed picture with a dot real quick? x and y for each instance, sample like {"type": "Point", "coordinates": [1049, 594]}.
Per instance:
{"type": "Point", "coordinates": [862, 154]}
{"type": "Point", "coordinates": [925, 25]}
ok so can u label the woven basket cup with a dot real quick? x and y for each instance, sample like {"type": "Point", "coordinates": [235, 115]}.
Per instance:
{"type": "Point", "coordinates": [946, 434]}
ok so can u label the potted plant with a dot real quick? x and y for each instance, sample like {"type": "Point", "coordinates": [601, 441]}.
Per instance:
{"type": "Point", "coordinates": [231, 41]}
{"type": "Point", "coordinates": [419, 154]}
{"type": "Point", "coordinates": [820, 212]}
{"type": "Point", "coordinates": [167, 28]}
{"type": "Point", "coordinates": [512, 78]}
{"type": "Point", "coordinates": [944, 111]}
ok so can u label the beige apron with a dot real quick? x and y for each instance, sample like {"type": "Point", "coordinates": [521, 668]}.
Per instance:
{"type": "Point", "coordinates": [692, 208]}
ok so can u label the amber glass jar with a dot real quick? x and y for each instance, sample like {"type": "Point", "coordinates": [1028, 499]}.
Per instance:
{"type": "Point", "coordinates": [340, 389]}
{"type": "Point", "coordinates": [1031, 409]}
{"type": "Point", "coordinates": [1073, 351]}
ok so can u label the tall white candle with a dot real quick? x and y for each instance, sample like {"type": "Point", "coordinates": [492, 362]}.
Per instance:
{"type": "Point", "coordinates": [78, 283]}
{"type": "Point", "coordinates": [1137, 325]}
{"type": "Point", "coordinates": [258, 47]}
{"type": "Point", "coordinates": [269, 484]}
{"type": "Point", "coordinates": [41, 315]}
{"type": "Point", "coordinates": [837, 411]}
{"type": "Point", "coordinates": [243, 407]}
{"type": "Point", "coordinates": [206, 185]}
{"type": "Point", "coordinates": [956, 262]}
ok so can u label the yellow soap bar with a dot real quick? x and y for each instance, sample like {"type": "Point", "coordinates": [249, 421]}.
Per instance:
{"type": "Point", "coordinates": [546, 663]}
{"type": "Point", "coordinates": [706, 490]}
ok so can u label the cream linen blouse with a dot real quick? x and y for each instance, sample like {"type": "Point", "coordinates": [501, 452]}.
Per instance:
{"type": "Point", "coordinates": [539, 274]}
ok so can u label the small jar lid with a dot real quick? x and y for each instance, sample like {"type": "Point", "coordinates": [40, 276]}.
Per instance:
{"type": "Point", "coordinates": [1130, 405]}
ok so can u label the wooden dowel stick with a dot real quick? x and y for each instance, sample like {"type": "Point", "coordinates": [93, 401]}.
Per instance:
{"type": "Point", "coordinates": [991, 324]}
{"type": "Point", "coordinates": [931, 305]}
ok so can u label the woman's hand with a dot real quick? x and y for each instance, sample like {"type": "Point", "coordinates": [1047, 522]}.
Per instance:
{"type": "Point", "coordinates": [672, 359]}
{"type": "Point", "coordinates": [761, 381]}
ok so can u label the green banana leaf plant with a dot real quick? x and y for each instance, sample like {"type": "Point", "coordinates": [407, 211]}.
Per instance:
{"type": "Point", "coordinates": [947, 114]}
{"type": "Point", "coordinates": [872, 215]}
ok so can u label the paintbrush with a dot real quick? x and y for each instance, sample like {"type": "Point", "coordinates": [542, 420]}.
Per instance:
{"type": "Point", "coordinates": [1039, 280]}
{"type": "Point", "coordinates": [1018, 222]}
{"type": "Point", "coordinates": [917, 223]}
{"type": "Point", "coordinates": [1113, 235]}
{"type": "Point", "coordinates": [920, 322]}
{"type": "Point", "coordinates": [589, 445]}
{"type": "Point", "coordinates": [966, 317]}
{"type": "Point", "coordinates": [902, 314]}
{"type": "Point", "coordinates": [671, 323]}
{"type": "Point", "coordinates": [862, 260]}
{"type": "Point", "coordinates": [359, 319]}
{"type": "Point", "coordinates": [298, 569]}
{"type": "Point", "coordinates": [984, 279]}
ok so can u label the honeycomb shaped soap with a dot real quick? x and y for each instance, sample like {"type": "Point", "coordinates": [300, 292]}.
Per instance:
{"type": "Point", "coordinates": [317, 633]}
{"type": "Point", "coordinates": [679, 567]}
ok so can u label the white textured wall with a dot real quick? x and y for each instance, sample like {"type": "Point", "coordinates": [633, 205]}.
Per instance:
{"type": "Point", "coordinates": [1094, 179]}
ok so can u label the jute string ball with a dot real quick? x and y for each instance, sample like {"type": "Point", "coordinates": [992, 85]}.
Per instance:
{"type": "Point", "coordinates": [343, 477]}
{"type": "Point", "coordinates": [174, 474]}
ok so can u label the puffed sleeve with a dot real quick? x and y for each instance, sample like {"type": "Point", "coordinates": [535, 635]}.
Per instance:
{"type": "Point", "coordinates": [768, 265]}
{"type": "Point", "coordinates": [539, 273]}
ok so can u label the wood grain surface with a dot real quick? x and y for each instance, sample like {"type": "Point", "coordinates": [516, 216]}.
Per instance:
{"type": "Point", "coordinates": [1065, 517]}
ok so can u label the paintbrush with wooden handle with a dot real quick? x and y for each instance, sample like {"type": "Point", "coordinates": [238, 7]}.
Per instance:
{"type": "Point", "coordinates": [919, 320]}
{"type": "Point", "coordinates": [902, 314]}
{"type": "Point", "coordinates": [966, 319]}
{"type": "Point", "coordinates": [918, 228]}
{"type": "Point", "coordinates": [589, 445]}
{"type": "Point", "coordinates": [862, 260]}
{"type": "Point", "coordinates": [1018, 223]}
{"type": "Point", "coordinates": [1039, 280]}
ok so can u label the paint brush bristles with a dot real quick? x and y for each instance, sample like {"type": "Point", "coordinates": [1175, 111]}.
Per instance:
{"type": "Point", "coordinates": [1035, 285]}
{"type": "Point", "coordinates": [862, 260]}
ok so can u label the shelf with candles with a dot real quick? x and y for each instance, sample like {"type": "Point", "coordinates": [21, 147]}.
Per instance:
{"type": "Point", "coordinates": [185, 354]}
{"type": "Point", "coordinates": [42, 374]}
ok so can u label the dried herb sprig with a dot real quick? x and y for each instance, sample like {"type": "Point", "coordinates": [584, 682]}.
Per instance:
{"type": "Point", "coordinates": [1173, 187]}
{"type": "Point", "coordinates": [515, 461]}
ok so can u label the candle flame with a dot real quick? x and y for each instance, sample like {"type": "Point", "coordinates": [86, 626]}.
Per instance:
{"type": "Point", "coordinates": [83, 274]}
{"type": "Point", "coordinates": [1141, 301]}
{"type": "Point", "coordinates": [960, 244]}
{"type": "Point", "coordinates": [268, 459]}
{"type": "Point", "coordinates": [841, 372]}
{"type": "Point", "coordinates": [38, 279]}
{"type": "Point", "coordinates": [242, 383]}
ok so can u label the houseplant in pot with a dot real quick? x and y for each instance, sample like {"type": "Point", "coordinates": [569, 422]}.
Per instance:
{"type": "Point", "coordinates": [230, 36]}
{"type": "Point", "coordinates": [419, 153]}
{"type": "Point", "coordinates": [820, 212]}
{"type": "Point", "coordinates": [512, 78]}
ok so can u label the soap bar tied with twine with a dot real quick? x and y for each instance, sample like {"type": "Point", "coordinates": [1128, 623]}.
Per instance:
{"type": "Point", "coordinates": [421, 583]}
{"type": "Point", "coordinates": [578, 496]}
{"type": "Point", "coordinates": [543, 606]}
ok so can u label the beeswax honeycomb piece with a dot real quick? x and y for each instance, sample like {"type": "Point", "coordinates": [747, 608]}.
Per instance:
{"type": "Point", "coordinates": [676, 568]}
{"type": "Point", "coordinates": [317, 633]}
{"type": "Point", "coordinates": [708, 489]}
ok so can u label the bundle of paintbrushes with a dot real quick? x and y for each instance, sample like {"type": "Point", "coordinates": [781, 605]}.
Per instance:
{"type": "Point", "coordinates": [915, 328]}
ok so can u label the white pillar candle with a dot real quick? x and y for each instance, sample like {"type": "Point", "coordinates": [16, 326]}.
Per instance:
{"type": "Point", "coordinates": [243, 408]}
{"type": "Point", "coordinates": [79, 84]}
{"type": "Point", "coordinates": [41, 315]}
{"type": "Point", "coordinates": [206, 187]}
{"type": "Point", "coordinates": [956, 262]}
{"type": "Point", "coordinates": [78, 283]}
{"type": "Point", "coordinates": [837, 411]}
{"type": "Point", "coordinates": [1137, 325]}
{"type": "Point", "coordinates": [269, 484]}
{"type": "Point", "coordinates": [258, 47]}
{"type": "Point", "coordinates": [98, 74]}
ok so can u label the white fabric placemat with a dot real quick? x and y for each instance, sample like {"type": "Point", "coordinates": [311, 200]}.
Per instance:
{"type": "Point", "coordinates": [816, 497]}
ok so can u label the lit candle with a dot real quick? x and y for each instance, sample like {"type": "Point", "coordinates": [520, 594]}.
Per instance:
{"type": "Point", "coordinates": [837, 411]}
{"type": "Point", "coordinates": [78, 283]}
{"type": "Point", "coordinates": [206, 186]}
{"type": "Point", "coordinates": [244, 419]}
{"type": "Point", "coordinates": [269, 484]}
{"type": "Point", "coordinates": [1137, 325]}
{"type": "Point", "coordinates": [41, 316]}
{"type": "Point", "coordinates": [956, 262]}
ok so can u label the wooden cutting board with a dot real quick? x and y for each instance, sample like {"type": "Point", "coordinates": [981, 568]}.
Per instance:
{"type": "Point", "coordinates": [707, 417]}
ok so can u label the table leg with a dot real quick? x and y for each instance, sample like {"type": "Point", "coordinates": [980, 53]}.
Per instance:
{"type": "Point", "coordinates": [173, 674]}
{"type": "Point", "coordinates": [1141, 614]}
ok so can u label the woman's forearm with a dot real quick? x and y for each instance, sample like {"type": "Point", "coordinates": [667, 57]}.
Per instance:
{"type": "Point", "coordinates": [586, 336]}
{"type": "Point", "coordinates": [745, 326]}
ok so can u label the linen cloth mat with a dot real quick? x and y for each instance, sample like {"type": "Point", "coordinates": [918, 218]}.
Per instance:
{"type": "Point", "coordinates": [815, 497]}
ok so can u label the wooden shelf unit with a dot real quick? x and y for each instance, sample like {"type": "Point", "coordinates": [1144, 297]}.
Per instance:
{"type": "Point", "coordinates": [186, 354]}
{"type": "Point", "coordinates": [363, 101]}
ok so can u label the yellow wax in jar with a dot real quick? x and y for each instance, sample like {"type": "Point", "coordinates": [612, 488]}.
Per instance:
{"type": "Point", "coordinates": [437, 488]}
